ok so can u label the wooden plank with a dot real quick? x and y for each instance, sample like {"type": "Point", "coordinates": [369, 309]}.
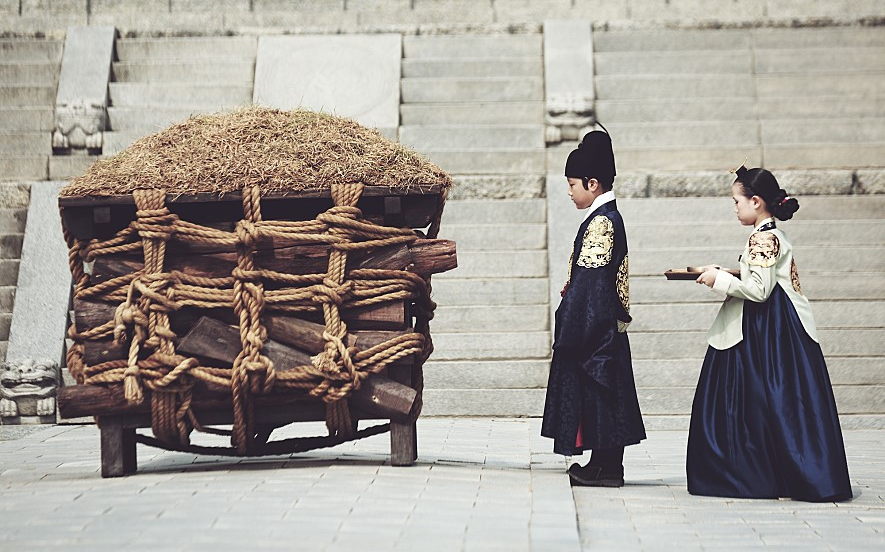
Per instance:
{"type": "Point", "coordinates": [419, 204]}
{"type": "Point", "coordinates": [112, 450]}
{"type": "Point", "coordinates": [403, 433]}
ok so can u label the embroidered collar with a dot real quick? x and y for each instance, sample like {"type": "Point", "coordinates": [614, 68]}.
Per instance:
{"type": "Point", "coordinates": [601, 200]}
{"type": "Point", "coordinates": [765, 225]}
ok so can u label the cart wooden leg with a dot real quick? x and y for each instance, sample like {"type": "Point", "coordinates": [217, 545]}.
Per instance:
{"type": "Point", "coordinates": [130, 460]}
{"type": "Point", "coordinates": [403, 436]}
{"type": "Point", "coordinates": [112, 448]}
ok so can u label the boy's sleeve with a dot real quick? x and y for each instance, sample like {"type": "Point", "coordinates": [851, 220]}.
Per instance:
{"type": "Point", "coordinates": [762, 254]}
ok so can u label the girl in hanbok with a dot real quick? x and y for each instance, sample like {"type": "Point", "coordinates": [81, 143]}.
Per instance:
{"type": "Point", "coordinates": [764, 421]}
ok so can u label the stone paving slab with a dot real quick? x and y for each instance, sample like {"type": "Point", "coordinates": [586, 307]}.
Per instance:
{"type": "Point", "coordinates": [654, 511]}
{"type": "Point", "coordinates": [480, 484]}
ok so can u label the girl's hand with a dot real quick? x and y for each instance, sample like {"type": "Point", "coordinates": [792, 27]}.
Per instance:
{"type": "Point", "coordinates": [708, 277]}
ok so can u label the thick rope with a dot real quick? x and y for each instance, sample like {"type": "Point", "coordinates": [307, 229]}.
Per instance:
{"type": "Point", "coordinates": [146, 298]}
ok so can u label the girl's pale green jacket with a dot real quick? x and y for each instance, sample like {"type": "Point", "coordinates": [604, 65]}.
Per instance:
{"type": "Point", "coordinates": [767, 261]}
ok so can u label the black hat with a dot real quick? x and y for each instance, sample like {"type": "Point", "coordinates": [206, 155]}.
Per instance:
{"type": "Point", "coordinates": [594, 158]}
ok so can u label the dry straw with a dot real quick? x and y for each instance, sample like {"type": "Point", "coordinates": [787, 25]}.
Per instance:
{"type": "Point", "coordinates": [277, 150]}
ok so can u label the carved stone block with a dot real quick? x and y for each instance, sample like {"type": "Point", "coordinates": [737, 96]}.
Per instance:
{"type": "Point", "coordinates": [79, 125]}
{"type": "Point", "coordinates": [27, 391]}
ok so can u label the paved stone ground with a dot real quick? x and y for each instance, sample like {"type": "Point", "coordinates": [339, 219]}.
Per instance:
{"type": "Point", "coordinates": [479, 485]}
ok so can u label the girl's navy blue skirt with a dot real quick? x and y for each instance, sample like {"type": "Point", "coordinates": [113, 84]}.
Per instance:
{"type": "Point", "coordinates": [764, 421]}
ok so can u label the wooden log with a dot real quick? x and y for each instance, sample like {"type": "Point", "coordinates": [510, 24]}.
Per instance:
{"type": "Point", "coordinates": [308, 336]}
{"type": "Point", "coordinates": [423, 257]}
{"type": "Point", "coordinates": [403, 433]}
{"type": "Point", "coordinates": [216, 340]}
{"type": "Point", "coordinates": [87, 217]}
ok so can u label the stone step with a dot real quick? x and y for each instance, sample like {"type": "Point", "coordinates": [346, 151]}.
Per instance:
{"type": "Point", "coordinates": [867, 129]}
{"type": "Point", "coordinates": [479, 318]}
{"type": "Point", "coordinates": [31, 51]}
{"type": "Point", "coordinates": [672, 158]}
{"type": "Point", "coordinates": [699, 316]}
{"type": "Point", "coordinates": [5, 323]}
{"type": "Point", "coordinates": [673, 62]}
{"type": "Point", "coordinates": [25, 143]}
{"type": "Point", "coordinates": [805, 232]}
{"type": "Point", "coordinates": [487, 374]}
{"type": "Point", "coordinates": [809, 258]}
{"type": "Point", "coordinates": [491, 346]}
{"type": "Point", "coordinates": [467, 46]}
{"type": "Point", "coordinates": [734, 133]}
{"type": "Point", "coordinates": [499, 264]}
{"type": "Point", "coordinates": [428, 138]}
{"type": "Point", "coordinates": [8, 272]}
{"type": "Point", "coordinates": [24, 168]}
{"type": "Point", "coordinates": [134, 118]}
{"type": "Point", "coordinates": [15, 195]}
{"type": "Point", "coordinates": [491, 113]}
{"type": "Point", "coordinates": [726, 87]}
{"type": "Point", "coordinates": [819, 60]}
{"type": "Point", "coordinates": [736, 39]}
{"type": "Point", "coordinates": [503, 211]}
{"type": "Point", "coordinates": [473, 67]}
{"type": "Point", "coordinates": [832, 155]}
{"type": "Point", "coordinates": [187, 49]}
{"type": "Point", "coordinates": [826, 37]}
{"type": "Point", "coordinates": [117, 141]}
{"type": "Point", "coordinates": [66, 167]}
{"type": "Point", "coordinates": [492, 161]}
{"type": "Point", "coordinates": [492, 89]}
{"type": "Point", "coordinates": [850, 399]}
{"type": "Point", "coordinates": [685, 372]}
{"type": "Point", "coordinates": [180, 95]}
{"type": "Point", "coordinates": [707, 109]}
{"type": "Point", "coordinates": [483, 402]}
{"type": "Point", "coordinates": [817, 286]}
{"type": "Point", "coordinates": [11, 246]}
{"type": "Point", "coordinates": [26, 95]}
{"type": "Point", "coordinates": [27, 119]}
{"type": "Point", "coordinates": [12, 220]}
{"type": "Point", "coordinates": [34, 74]}
{"type": "Point", "coordinates": [3, 346]}
{"type": "Point", "coordinates": [823, 208]}
{"type": "Point", "coordinates": [491, 292]}
{"type": "Point", "coordinates": [7, 300]}
{"type": "Point", "coordinates": [219, 72]}
{"type": "Point", "coordinates": [668, 40]}
{"type": "Point", "coordinates": [480, 237]}
{"type": "Point", "coordinates": [691, 344]}
{"type": "Point", "coordinates": [851, 85]}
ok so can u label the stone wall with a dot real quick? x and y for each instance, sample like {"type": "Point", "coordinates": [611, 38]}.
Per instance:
{"type": "Point", "coordinates": [189, 17]}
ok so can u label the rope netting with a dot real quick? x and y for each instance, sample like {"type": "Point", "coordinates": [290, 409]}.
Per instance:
{"type": "Point", "coordinates": [147, 297]}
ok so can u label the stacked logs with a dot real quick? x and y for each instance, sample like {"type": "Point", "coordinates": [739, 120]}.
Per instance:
{"type": "Point", "coordinates": [195, 308]}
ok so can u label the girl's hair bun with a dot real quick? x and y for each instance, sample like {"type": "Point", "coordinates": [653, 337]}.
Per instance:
{"type": "Point", "coordinates": [783, 205]}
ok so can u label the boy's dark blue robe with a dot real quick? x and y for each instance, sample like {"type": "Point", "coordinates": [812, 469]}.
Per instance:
{"type": "Point", "coordinates": [591, 375]}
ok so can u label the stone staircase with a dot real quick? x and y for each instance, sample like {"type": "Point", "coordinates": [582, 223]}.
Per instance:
{"type": "Point", "coordinates": [839, 246]}
{"type": "Point", "coordinates": [475, 104]}
{"type": "Point", "coordinates": [13, 215]}
{"type": "Point", "coordinates": [159, 81]}
{"type": "Point", "coordinates": [491, 332]}
{"type": "Point", "coordinates": [28, 79]}
{"type": "Point", "coordinates": [704, 99]}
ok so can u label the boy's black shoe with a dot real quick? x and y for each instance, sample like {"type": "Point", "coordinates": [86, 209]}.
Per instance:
{"type": "Point", "coordinates": [600, 475]}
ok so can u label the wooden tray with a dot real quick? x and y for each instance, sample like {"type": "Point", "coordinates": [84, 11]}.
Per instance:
{"type": "Point", "coordinates": [692, 273]}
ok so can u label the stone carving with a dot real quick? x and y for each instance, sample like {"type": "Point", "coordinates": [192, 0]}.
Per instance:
{"type": "Point", "coordinates": [27, 388]}
{"type": "Point", "coordinates": [79, 126]}
{"type": "Point", "coordinates": [568, 117]}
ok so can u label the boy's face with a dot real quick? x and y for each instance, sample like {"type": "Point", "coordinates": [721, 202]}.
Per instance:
{"type": "Point", "coordinates": [582, 197]}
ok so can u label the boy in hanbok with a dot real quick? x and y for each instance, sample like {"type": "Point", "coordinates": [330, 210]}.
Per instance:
{"type": "Point", "coordinates": [591, 396]}
{"type": "Point", "coordinates": [764, 421]}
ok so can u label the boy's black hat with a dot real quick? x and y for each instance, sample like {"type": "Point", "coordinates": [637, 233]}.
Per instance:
{"type": "Point", "coordinates": [594, 158]}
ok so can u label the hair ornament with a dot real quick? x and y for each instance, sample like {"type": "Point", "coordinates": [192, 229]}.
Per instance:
{"type": "Point", "coordinates": [740, 170]}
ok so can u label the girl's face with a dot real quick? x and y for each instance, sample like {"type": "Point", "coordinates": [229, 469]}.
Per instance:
{"type": "Point", "coordinates": [582, 198]}
{"type": "Point", "coordinates": [746, 208]}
